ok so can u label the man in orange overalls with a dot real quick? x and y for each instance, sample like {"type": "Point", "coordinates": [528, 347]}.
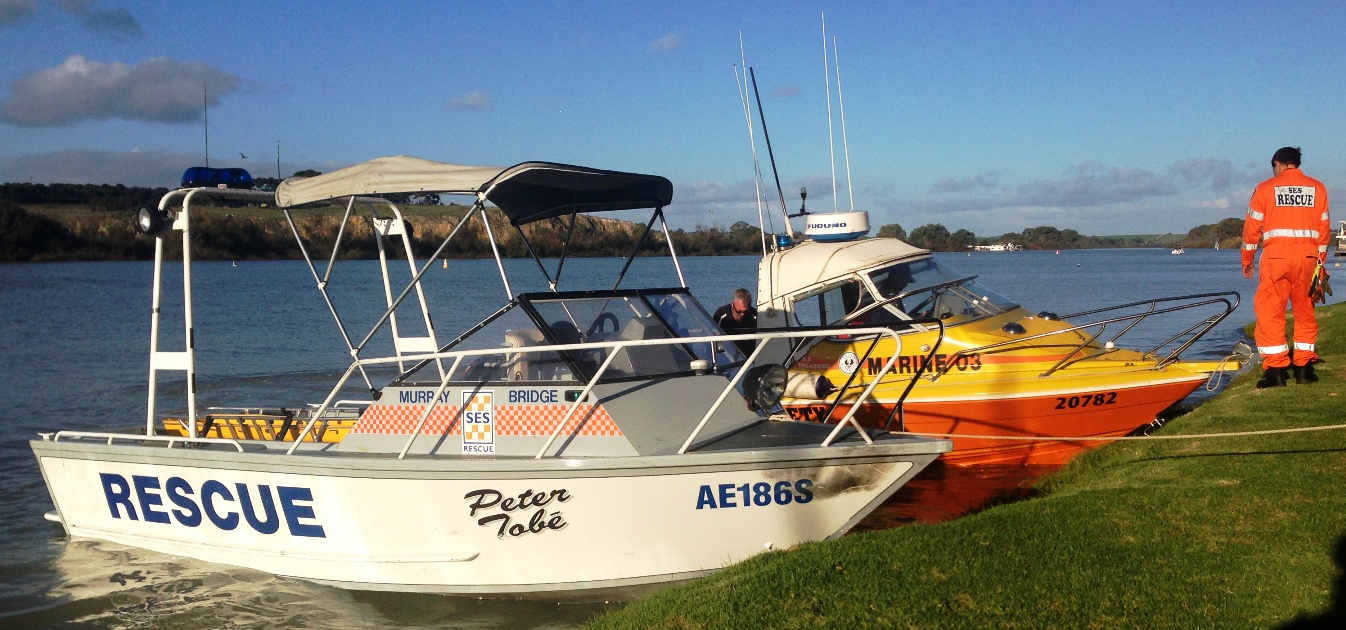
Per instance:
{"type": "Point", "coordinates": [1288, 216]}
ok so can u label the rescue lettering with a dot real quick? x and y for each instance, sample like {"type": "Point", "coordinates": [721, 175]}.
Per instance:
{"type": "Point", "coordinates": [760, 494]}
{"type": "Point", "coordinates": [1296, 196]}
{"type": "Point", "coordinates": [511, 506]}
{"type": "Point", "coordinates": [225, 507]}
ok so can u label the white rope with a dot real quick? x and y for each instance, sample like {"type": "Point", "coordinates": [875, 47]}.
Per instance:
{"type": "Point", "coordinates": [1217, 377]}
{"type": "Point", "coordinates": [1196, 436]}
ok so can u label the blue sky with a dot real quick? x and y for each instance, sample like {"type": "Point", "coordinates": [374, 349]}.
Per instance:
{"type": "Point", "coordinates": [1108, 118]}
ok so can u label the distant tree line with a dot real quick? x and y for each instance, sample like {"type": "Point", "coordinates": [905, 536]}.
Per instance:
{"type": "Point", "coordinates": [253, 234]}
{"type": "Point", "coordinates": [97, 197]}
{"type": "Point", "coordinates": [1228, 234]}
{"type": "Point", "coordinates": [108, 233]}
{"type": "Point", "coordinates": [936, 237]}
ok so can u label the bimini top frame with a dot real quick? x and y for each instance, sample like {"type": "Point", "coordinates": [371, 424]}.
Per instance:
{"type": "Point", "coordinates": [525, 193]}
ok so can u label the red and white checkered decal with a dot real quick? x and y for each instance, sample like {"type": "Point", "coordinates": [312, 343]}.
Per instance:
{"type": "Point", "coordinates": [510, 420]}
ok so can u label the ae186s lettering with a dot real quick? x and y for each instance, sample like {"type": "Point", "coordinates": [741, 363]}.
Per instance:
{"type": "Point", "coordinates": [760, 494]}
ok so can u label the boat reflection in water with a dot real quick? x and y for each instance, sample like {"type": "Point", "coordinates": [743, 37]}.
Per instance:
{"type": "Point", "coordinates": [944, 493]}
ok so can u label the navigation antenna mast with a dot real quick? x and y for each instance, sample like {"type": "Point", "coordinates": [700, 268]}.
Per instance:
{"type": "Point", "coordinates": [740, 82]}
{"type": "Point", "coordinates": [841, 105]}
{"type": "Point", "coordinates": [205, 116]}
{"type": "Point", "coordinates": [827, 87]}
{"type": "Point", "coordinates": [785, 212]}
{"type": "Point", "coordinates": [845, 146]}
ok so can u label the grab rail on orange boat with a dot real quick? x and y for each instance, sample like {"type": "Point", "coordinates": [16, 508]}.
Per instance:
{"type": "Point", "coordinates": [1196, 331]}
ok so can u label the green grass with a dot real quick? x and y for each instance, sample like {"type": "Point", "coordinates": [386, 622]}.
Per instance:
{"type": "Point", "coordinates": [1213, 532]}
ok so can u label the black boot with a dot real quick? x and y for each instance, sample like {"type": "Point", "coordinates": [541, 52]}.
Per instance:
{"type": "Point", "coordinates": [1304, 374]}
{"type": "Point", "coordinates": [1272, 377]}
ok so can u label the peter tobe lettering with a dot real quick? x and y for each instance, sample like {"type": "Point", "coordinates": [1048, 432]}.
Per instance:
{"type": "Point", "coordinates": [223, 506]}
{"type": "Point", "coordinates": [487, 500]}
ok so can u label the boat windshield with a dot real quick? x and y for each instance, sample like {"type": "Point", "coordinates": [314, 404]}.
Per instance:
{"type": "Point", "coordinates": [593, 318]}
{"type": "Point", "coordinates": [924, 288]}
{"type": "Point", "coordinates": [634, 317]}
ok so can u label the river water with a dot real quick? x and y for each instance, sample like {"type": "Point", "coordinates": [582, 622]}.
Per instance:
{"type": "Point", "coordinates": [73, 355]}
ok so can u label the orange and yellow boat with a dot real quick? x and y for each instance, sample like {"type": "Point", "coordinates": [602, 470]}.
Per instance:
{"type": "Point", "coordinates": [1010, 386]}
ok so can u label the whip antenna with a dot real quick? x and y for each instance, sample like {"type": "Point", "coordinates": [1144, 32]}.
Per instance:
{"type": "Point", "coordinates": [740, 83]}
{"type": "Point", "coordinates": [205, 118]}
{"type": "Point", "coordinates": [827, 87]}
{"type": "Point", "coordinates": [767, 135]}
{"type": "Point", "coordinates": [845, 146]}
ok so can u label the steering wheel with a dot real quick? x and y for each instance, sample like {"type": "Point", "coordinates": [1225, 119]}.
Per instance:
{"type": "Point", "coordinates": [597, 326]}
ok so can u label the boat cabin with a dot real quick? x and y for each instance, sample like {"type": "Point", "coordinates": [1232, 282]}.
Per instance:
{"type": "Point", "coordinates": [871, 281]}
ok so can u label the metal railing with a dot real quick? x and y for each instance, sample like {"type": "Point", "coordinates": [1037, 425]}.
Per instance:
{"type": "Point", "coordinates": [111, 437]}
{"type": "Point", "coordinates": [1192, 333]}
{"type": "Point", "coordinates": [613, 349]}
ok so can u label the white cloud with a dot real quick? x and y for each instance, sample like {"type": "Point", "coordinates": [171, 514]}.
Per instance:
{"type": "Point", "coordinates": [472, 101]}
{"type": "Point", "coordinates": [667, 43]}
{"type": "Point", "coordinates": [155, 90]}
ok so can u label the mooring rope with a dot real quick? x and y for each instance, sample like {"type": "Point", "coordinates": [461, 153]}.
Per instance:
{"type": "Point", "coordinates": [1194, 436]}
{"type": "Point", "coordinates": [1216, 377]}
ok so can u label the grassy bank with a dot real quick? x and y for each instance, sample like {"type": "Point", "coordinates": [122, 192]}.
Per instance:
{"type": "Point", "coordinates": [1212, 532]}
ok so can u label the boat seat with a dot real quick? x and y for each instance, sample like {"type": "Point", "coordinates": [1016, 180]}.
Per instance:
{"type": "Point", "coordinates": [947, 305]}
{"type": "Point", "coordinates": [520, 366]}
{"type": "Point", "coordinates": [642, 360]}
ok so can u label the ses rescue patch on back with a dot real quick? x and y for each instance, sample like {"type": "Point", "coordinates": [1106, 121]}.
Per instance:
{"type": "Point", "coordinates": [1296, 196]}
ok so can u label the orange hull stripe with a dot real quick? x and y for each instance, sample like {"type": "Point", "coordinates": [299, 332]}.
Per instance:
{"type": "Point", "coordinates": [1037, 416]}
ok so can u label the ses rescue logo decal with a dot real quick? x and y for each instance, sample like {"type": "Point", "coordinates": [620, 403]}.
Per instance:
{"type": "Point", "coordinates": [1296, 196]}
{"type": "Point", "coordinates": [478, 423]}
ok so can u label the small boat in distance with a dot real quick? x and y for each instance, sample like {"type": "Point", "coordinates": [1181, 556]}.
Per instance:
{"type": "Point", "coordinates": [1341, 239]}
{"type": "Point", "coordinates": [570, 444]}
{"type": "Point", "coordinates": [997, 247]}
{"type": "Point", "coordinates": [1178, 250]}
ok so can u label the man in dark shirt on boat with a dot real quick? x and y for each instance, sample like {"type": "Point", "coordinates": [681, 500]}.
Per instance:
{"type": "Point", "coordinates": [738, 316]}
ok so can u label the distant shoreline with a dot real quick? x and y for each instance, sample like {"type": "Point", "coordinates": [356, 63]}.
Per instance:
{"type": "Point", "coordinates": [80, 232]}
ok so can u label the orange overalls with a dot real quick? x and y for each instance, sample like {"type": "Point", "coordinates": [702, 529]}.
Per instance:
{"type": "Point", "coordinates": [1288, 216]}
